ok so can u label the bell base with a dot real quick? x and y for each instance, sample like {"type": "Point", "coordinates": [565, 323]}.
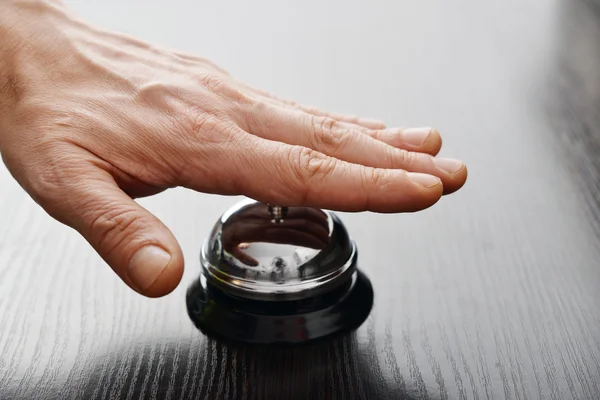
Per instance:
{"type": "Point", "coordinates": [221, 315]}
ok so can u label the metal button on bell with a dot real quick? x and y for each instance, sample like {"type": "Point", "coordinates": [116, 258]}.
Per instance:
{"type": "Point", "coordinates": [278, 274]}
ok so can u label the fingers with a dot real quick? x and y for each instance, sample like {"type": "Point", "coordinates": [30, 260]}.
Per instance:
{"type": "Point", "coordinates": [278, 173]}
{"type": "Point", "coordinates": [277, 101]}
{"type": "Point", "coordinates": [337, 140]}
{"type": "Point", "coordinates": [136, 245]}
{"type": "Point", "coordinates": [306, 176]}
{"type": "Point", "coordinates": [422, 140]}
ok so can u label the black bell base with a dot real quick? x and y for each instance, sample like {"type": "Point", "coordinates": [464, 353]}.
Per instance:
{"type": "Point", "coordinates": [221, 315]}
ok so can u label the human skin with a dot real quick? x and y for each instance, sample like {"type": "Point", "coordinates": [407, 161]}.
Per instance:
{"type": "Point", "coordinates": [91, 120]}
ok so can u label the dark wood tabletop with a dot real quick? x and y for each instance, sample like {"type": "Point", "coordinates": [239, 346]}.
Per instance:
{"type": "Point", "coordinates": [493, 293]}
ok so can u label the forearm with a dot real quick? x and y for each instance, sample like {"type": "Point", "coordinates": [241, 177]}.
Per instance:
{"type": "Point", "coordinates": [21, 21]}
{"type": "Point", "coordinates": [28, 28]}
{"type": "Point", "coordinates": [20, 26]}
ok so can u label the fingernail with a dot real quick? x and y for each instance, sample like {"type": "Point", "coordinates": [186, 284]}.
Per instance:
{"type": "Point", "coordinates": [416, 136]}
{"type": "Point", "coordinates": [146, 265]}
{"type": "Point", "coordinates": [426, 180]}
{"type": "Point", "coordinates": [450, 165]}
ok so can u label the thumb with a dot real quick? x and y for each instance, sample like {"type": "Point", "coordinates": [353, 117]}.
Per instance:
{"type": "Point", "coordinates": [136, 244]}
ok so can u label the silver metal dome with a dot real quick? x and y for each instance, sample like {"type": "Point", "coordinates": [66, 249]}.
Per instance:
{"type": "Point", "coordinates": [262, 252]}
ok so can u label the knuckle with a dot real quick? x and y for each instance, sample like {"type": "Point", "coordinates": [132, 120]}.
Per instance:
{"type": "Point", "coordinates": [230, 136]}
{"type": "Point", "coordinates": [403, 158]}
{"type": "Point", "coordinates": [392, 156]}
{"type": "Point", "coordinates": [112, 227]}
{"type": "Point", "coordinates": [205, 134]}
{"type": "Point", "coordinates": [260, 117]}
{"type": "Point", "coordinates": [204, 125]}
{"type": "Point", "coordinates": [328, 135]}
{"type": "Point", "coordinates": [46, 180]}
{"type": "Point", "coordinates": [211, 81]}
{"type": "Point", "coordinates": [224, 87]}
{"type": "Point", "coordinates": [376, 134]}
{"type": "Point", "coordinates": [261, 109]}
{"type": "Point", "coordinates": [198, 124]}
{"type": "Point", "coordinates": [322, 125]}
{"type": "Point", "coordinates": [312, 164]}
{"type": "Point", "coordinates": [154, 92]}
{"type": "Point", "coordinates": [307, 166]}
{"type": "Point", "coordinates": [375, 176]}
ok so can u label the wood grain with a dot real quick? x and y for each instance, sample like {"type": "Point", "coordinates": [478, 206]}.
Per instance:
{"type": "Point", "coordinates": [491, 294]}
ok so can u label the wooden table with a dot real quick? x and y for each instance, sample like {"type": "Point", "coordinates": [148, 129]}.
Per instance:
{"type": "Point", "coordinates": [493, 293]}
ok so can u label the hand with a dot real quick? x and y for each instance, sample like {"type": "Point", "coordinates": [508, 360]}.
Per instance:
{"type": "Point", "coordinates": [302, 226]}
{"type": "Point", "coordinates": [90, 120]}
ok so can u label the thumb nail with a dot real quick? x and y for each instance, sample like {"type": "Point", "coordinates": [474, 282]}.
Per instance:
{"type": "Point", "coordinates": [146, 265]}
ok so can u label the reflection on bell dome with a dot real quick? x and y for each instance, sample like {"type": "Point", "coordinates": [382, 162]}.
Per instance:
{"type": "Point", "coordinates": [272, 253]}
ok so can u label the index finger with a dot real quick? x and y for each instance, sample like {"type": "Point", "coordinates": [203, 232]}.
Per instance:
{"type": "Point", "coordinates": [288, 175]}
